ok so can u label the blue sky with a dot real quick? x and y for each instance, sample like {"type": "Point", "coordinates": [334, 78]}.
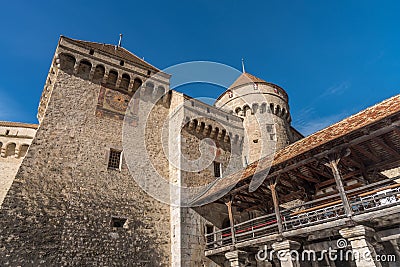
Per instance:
{"type": "Point", "coordinates": [334, 58]}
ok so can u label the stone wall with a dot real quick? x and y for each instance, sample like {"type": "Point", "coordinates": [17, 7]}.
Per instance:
{"type": "Point", "coordinates": [15, 139]}
{"type": "Point", "coordinates": [60, 206]}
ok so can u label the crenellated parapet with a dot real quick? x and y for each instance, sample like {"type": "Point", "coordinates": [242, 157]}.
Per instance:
{"type": "Point", "coordinates": [214, 123]}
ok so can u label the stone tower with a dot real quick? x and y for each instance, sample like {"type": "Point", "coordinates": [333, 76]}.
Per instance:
{"type": "Point", "coordinates": [265, 111]}
{"type": "Point", "coordinates": [73, 201]}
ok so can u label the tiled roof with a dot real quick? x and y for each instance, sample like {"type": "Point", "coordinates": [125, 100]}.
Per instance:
{"type": "Point", "coordinates": [18, 124]}
{"type": "Point", "coordinates": [247, 78]}
{"type": "Point", "coordinates": [368, 116]}
{"type": "Point", "coordinates": [114, 51]}
{"type": "Point", "coordinates": [345, 127]}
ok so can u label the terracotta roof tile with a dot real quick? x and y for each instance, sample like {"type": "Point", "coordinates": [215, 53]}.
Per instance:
{"type": "Point", "coordinates": [246, 78]}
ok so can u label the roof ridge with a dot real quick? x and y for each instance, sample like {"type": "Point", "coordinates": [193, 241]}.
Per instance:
{"type": "Point", "coordinates": [114, 50]}
{"type": "Point", "coordinates": [18, 124]}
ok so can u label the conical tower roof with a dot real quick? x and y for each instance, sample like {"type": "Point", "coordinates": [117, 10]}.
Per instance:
{"type": "Point", "coordinates": [246, 78]}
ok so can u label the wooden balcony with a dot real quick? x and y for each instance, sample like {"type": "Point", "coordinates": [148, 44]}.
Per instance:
{"type": "Point", "coordinates": [376, 200]}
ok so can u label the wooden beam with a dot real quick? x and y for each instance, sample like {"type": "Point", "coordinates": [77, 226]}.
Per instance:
{"type": "Point", "coordinates": [276, 207]}
{"type": "Point", "coordinates": [333, 164]}
{"type": "Point", "coordinates": [231, 221]}
{"type": "Point", "coordinates": [386, 147]}
{"type": "Point", "coordinates": [324, 153]}
{"type": "Point", "coordinates": [299, 174]}
{"type": "Point", "coordinates": [366, 153]}
{"type": "Point", "coordinates": [292, 196]}
{"type": "Point", "coordinates": [319, 172]}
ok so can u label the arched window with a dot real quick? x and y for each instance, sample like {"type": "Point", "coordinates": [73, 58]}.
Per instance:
{"type": "Point", "coordinates": [125, 80]}
{"type": "Point", "coordinates": [271, 107]}
{"type": "Point", "coordinates": [150, 85]}
{"type": "Point", "coordinates": [112, 77]}
{"type": "Point", "coordinates": [278, 110]}
{"type": "Point", "coordinates": [263, 108]}
{"type": "Point", "coordinates": [136, 84]}
{"type": "Point", "coordinates": [84, 69]}
{"type": "Point", "coordinates": [99, 74]}
{"type": "Point", "coordinates": [237, 110]}
{"type": "Point", "coordinates": [245, 109]}
{"type": "Point", "coordinates": [160, 91]}
{"type": "Point", "coordinates": [10, 150]}
{"type": "Point", "coordinates": [149, 88]}
{"type": "Point", "coordinates": [22, 151]}
{"type": "Point", "coordinates": [67, 63]}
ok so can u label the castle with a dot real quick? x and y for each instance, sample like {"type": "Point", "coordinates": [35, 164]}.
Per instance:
{"type": "Point", "coordinates": [72, 200]}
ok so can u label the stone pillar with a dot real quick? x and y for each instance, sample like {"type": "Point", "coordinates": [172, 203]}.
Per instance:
{"type": "Point", "coordinates": [16, 152]}
{"type": "Point", "coordinates": [92, 70]}
{"type": "Point", "coordinates": [3, 151]}
{"type": "Point", "coordinates": [76, 66]}
{"type": "Point", "coordinates": [236, 258]}
{"type": "Point", "coordinates": [359, 237]}
{"type": "Point", "coordinates": [117, 84]}
{"type": "Point", "coordinates": [283, 251]}
{"type": "Point", "coordinates": [105, 77]}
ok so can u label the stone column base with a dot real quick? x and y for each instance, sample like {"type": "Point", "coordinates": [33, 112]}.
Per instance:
{"type": "Point", "coordinates": [236, 258]}
{"type": "Point", "coordinates": [283, 251]}
{"type": "Point", "coordinates": [363, 252]}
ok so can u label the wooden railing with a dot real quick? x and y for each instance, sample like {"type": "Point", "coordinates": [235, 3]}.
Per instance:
{"type": "Point", "coordinates": [383, 194]}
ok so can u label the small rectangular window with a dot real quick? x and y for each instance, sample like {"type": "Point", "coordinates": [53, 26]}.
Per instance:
{"type": "Point", "coordinates": [114, 159]}
{"type": "Point", "coordinates": [118, 222]}
{"type": "Point", "coordinates": [269, 128]}
{"type": "Point", "coordinates": [217, 169]}
{"type": "Point", "coordinates": [272, 136]}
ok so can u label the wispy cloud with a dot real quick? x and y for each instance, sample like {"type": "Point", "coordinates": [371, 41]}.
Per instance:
{"type": "Point", "coordinates": [337, 89]}
{"type": "Point", "coordinates": [319, 123]}
{"type": "Point", "coordinates": [308, 121]}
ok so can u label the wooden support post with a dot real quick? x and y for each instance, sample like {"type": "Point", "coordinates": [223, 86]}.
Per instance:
{"type": "Point", "coordinates": [231, 221]}
{"type": "Point", "coordinates": [275, 199]}
{"type": "Point", "coordinates": [333, 164]}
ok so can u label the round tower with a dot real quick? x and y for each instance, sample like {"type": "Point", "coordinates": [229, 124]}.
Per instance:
{"type": "Point", "coordinates": [264, 108]}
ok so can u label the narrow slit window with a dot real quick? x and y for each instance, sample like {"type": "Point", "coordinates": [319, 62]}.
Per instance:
{"type": "Point", "coordinates": [217, 169]}
{"type": "Point", "coordinates": [118, 222]}
{"type": "Point", "coordinates": [114, 160]}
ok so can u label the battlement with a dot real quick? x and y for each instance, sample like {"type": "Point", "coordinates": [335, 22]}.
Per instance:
{"type": "Point", "coordinates": [209, 121]}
